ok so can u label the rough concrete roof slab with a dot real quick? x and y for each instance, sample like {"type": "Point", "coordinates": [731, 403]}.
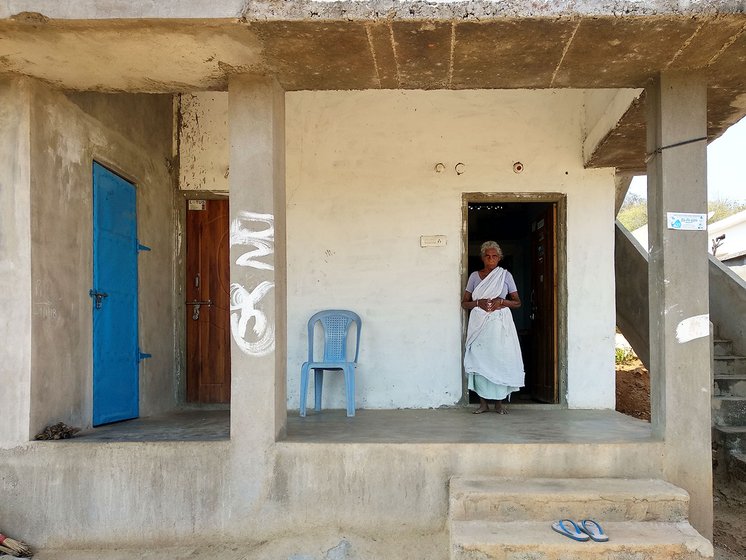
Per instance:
{"type": "Point", "coordinates": [622, 52]}
{"type": "Point", "coordinates": [319, 45]}
{"type": "Point", "coordinates": [381, 38]}
{"type": "Point", "coordinates": [318, 55]}
{"type": "Point", "coordinates": [423, 53]}
{"type": "Point", "coordinates": [360, 9]}
{"type": "Point", "coordinates": [708, 42]}
{"type": "Point", "coordinates": [509, 53]}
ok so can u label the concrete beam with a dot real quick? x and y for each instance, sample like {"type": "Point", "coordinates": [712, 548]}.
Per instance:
{"type": "Point", "coordinates": [354, 9]}
{"type": "Point", "coordinates": [604, 125]}
{"type": "Point", "coordinates": [621, 186]}
{"type": "Point", "coordinates": [680, 339]}
{"type": "Point", "coordinates": [256, 108]}
{"type": "Point", "coordinates": [15, 261]}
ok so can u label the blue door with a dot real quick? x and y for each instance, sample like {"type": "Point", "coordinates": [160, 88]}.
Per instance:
{"type": "Point", "coordinates": [114, 299]}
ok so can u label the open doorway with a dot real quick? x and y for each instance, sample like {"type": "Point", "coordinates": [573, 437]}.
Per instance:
{"type": "Point", "coordinates": [527, 231]}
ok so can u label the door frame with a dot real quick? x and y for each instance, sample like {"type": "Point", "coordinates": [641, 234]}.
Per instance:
{"type": "Point", "coordinates": [560, 199]}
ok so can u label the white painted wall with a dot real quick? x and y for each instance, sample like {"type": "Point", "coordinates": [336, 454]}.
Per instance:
{"type": "Point", "coordinates": [734, 228]}
{"type": "Point", "coordinates": [361, 190]}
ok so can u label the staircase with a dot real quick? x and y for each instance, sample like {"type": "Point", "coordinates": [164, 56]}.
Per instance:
{"type": "Point", "coordinates": [510, 519]}
{"type": "Point", "coordinates": [729, 412]}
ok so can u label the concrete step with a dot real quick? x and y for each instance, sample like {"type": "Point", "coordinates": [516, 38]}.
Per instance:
{"type": "Point", "coordinates": [737, 470]}
{"type": "Point", "coordinates": [729, 365]}
{"type": "Point", "coordinates": [731, 438]}
{"type": "Point", "coordinates": [729, 411]}
{"type": "Point", "coordinates": [510, 540]}
{"type": "Point", "coordinates": [547, 499]}
{"type": "Point", "coordinates": [730, 386]}
{"type": "Point", "coordinates": [722, 347]}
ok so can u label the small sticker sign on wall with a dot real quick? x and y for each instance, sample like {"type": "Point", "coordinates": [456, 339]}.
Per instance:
{"type": "Point", "coordinates": [197, 204]}
{"type": "Point", "coordinates": [684, 221]}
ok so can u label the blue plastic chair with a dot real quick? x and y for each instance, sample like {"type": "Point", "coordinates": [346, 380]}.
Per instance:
{"type": "Point", "coordinates": [336, 324]}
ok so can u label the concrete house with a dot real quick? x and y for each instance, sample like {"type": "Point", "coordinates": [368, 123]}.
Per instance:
{"type": "Point", "coordinates": [184, 184]}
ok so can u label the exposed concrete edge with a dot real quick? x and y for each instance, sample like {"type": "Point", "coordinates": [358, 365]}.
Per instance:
{"type": "Point", "coordinates": [632, 298]}
{"type": "Point", "coordinates": [728, 303]}
{"type": "Point", "coordinates": [610, 119]}
{"type": "Point", "coordinates": [359, 9]}
{"type": "Point", "coordinates": [622, 180]}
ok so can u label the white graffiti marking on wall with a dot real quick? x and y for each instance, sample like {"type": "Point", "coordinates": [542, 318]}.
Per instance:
{"type": "Point", "coordinates": [256, 231]}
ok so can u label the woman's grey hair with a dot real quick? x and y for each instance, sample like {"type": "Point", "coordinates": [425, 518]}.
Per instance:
{"type": "Point", "coordinates": [490, 245]}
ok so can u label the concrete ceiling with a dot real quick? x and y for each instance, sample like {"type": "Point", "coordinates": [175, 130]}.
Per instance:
{"type": "Point", "coordinates": [380, 51]}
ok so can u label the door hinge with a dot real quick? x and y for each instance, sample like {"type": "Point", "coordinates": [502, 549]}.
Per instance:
{"type": "Point", "coordinates": [141, 247]}
{"type": "Point", "coordinates": [142, 355]}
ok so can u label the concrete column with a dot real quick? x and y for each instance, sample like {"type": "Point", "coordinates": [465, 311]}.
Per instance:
{"type": "Point", "coordinates": [678, 287]}
{"type": "Point", "coordinates": [15, 262]}
{"type": "Point", "coordinates": [258, 271]}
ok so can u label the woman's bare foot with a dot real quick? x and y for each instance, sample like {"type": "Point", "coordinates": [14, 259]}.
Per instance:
{"type": "Point", "coordinates": [500, 409]}
{"type": "Point", "coordinates": [481, 410]}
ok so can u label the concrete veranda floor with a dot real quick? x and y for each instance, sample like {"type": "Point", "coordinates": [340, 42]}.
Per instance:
{"type": "Point", "coordinates": [525, 423]}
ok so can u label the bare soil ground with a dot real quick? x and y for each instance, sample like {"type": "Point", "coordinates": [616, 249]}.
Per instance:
{"type": "Point", "coordinates": [633, 398]}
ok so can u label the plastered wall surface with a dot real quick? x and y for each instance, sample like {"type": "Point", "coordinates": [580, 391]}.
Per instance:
{"type": "Point", "coordinates": [345, 188]}
{"type": "Point", "coordinates": [15, 260]}
{"type": "Point", "coordinates": [362, 189]}
{"type": "Point", "coordinates": [132, 135]}
{"type": "Point", "coordinates": [203, 141]}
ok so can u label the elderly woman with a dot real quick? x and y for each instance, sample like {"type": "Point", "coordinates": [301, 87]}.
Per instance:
{"type": "Point", "coordinates": [492, 358]}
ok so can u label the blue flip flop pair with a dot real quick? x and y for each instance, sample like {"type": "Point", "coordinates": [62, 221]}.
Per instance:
{"type": "Point", "coordinates": [588, 529]}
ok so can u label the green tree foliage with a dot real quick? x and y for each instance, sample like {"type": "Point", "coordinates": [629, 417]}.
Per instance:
{"type": "Point", "coordinates": [723, 208]}
{"type": "Point", "coordinates": [634, 212]}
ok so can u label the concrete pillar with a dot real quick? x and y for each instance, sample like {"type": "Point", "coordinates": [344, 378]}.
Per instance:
{"type": "Point", "coordinates": [678, 287]}
{"type": "Point", "coordinates": [256, 108]}
{"type": "Point", "coordinates": [15, 261]}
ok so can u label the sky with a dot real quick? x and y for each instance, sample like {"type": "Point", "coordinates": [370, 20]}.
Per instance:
{"type": "Point", "coordinates": [726, 167]}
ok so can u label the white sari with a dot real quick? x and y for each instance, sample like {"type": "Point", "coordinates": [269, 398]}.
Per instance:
{"type": "Point", "coordinates": [492, 348]}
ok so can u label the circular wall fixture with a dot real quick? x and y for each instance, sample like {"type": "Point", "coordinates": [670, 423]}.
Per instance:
{"type": "Point", "coordinates": [460, 168]}
{"type": "Point", "coordinates": [517, 167]}
{"type": "Point", "coordinates": [439, 168]}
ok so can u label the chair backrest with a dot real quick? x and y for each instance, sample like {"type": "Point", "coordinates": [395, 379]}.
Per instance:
{"type": "Point", "coordinates": [336, 324]}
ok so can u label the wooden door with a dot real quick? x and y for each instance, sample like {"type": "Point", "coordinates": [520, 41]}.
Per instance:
{"type": "Point", "coordinates": [208, 302]}
{"type": "Point", "coordinates": [543, 301]}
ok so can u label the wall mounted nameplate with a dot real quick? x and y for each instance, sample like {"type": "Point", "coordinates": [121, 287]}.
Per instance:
{"type": "Point", "coordinates": [684, 221]}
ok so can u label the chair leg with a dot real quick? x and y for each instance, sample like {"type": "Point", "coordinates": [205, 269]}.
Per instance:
{"type": "Point", "coordinates": [318, 383]}
{"type": "Point", "coordinates": [303, 388]}
{"type": "Point", "coordinates": [350, 387]}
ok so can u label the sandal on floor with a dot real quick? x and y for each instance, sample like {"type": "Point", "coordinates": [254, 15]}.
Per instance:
{"type": "Point", "coordinates": [570, 529]}
{"type": "Point", "coordinates": [593, 530]}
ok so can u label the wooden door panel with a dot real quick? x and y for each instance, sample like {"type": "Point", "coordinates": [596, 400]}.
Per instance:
{"type": "Point", "coordinates": [207, 279]}
{"type": "Point", "coordinates": [543, 306]}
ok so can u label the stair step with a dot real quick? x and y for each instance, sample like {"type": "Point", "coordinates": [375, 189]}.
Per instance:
{"type": "Point", "coordinates": [546, 499]}
{"type": "Point", "coordinates": [729, 365]}
{"type": "Point", "coordinates": [729, 411]}
{"type": "Point", "coordinates": [737, 470]}
{"type": "Point", "coordinates": [731, 438]}
{"type": "Point", "coordinates": [722, 347]}
{"type": "Point", "coordinates": [730, 386]}
{"type": "Point", "coordinates": [509, 540]}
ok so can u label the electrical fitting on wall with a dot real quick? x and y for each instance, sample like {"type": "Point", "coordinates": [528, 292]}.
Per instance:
{"type": "Point", "coordinates": [517, 167]}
